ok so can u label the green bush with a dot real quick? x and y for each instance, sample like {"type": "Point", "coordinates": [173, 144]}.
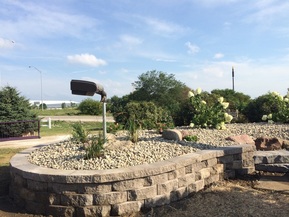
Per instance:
{"type": "Point", "coordinates": [146, 115]}
{"type": "Point", "coordinates": [208, 116]}
{"type": "Point", "coordinates": [14, 107]}
{"type": "Point", "coordinates": [90, 107]}
{"type": "Point", "coordinates": [263, 105]}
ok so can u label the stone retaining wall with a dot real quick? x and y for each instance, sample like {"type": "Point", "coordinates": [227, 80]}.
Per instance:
{"type": "Point", "coordinates": [118, 192]}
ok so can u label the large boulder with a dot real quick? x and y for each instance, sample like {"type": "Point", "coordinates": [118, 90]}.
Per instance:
{"type": "Point", "coordinates": [241, 139]}
{"type": "Point", "coordinates": [172, 134]}
{"type": "Point", "coordinates": [268, 144]}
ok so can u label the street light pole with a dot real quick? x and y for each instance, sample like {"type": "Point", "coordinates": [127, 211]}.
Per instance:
{"type": "Point", "coordinates": [233, 78]}
{"type": "Point", "coordinates": [40, 84]}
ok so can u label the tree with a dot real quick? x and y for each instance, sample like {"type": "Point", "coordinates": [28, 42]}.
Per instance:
{"type": "Point", "coordinates": [90, 107]}
{"type": "Point", "coordinates": [162, 89]}
{"type": "Point", "coordinates": [14, 107]}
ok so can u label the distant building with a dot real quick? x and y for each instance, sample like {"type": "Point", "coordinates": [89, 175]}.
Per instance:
{"type": "Point", "coordinates": [54, 104]}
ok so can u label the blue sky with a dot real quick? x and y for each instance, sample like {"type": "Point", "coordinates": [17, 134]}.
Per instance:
{"type": "Point", "coordinates": [112, 42]}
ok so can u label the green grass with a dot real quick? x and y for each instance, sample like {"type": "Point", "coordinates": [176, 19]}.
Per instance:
{"type": "Point", "coordinates": [65, 128]}
{"type": "Point", "coordinates": [5, 156]}
{"type": "Point", "coordinates": [56, 112]}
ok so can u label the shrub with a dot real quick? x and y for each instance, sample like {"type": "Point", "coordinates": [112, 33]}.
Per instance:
{"type": "Point", "coordinates": [270, 103]}
{"type": "Point", "coordinates": [281, 112]}
{"type": "Point", "coordinates": [146, 115]}
{"type": "Point", "coordinates": [95, 146]}
{"type": "Point", "coordinates": [211, 116]}
{"type": "Point", "coordinates": [14, 107]}
{"type": "Point", "coordinates": [90, 107]}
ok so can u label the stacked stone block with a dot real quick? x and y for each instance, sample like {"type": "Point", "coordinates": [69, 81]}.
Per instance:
{"type": "Point", "coordinates": [124, 191]}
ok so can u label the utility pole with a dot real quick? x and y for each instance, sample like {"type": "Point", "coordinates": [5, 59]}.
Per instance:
{"type": "Point", "coordinates": [40, 84]}
{"type": "Point", "coordinates": [233, 78]}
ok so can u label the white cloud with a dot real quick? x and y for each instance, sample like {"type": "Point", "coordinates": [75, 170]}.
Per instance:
{"type": "Point", "coordinates": [130, 40]}
{"type": "Point", "coordinates": [5, 43]}
{"type": "Point", "coordinates": [192, 49]}
{"type": "Point", "coordinates": [86, 59]}
{"type": "Point", "coordinates": [218, 56]}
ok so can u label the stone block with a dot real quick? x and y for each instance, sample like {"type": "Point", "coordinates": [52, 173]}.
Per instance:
{"type": "Point", "coordinates": [142, 193]}
{"type": "Point", "coordinates": [245, 171]}
{"type": "Point", "coordinates": [237, 164]}
{"type": "Point", "coordinates": [167, 187]}
{"type": "Point", "coordinates": [127, 208]}
{"type": "Point", "coordinates": [229, 174]}
{"type": "Point", "coordinates": [76, 200]}
{"type": "Point", "coordinates": [27, 194]}
{"type": "Point", "coordinates": [93, 188]}
{"type": "Point", "coordinates": [189, 169]}
{"type": "Point", "coordinates": [92, 211]}
{"type": "Point", "coordinates": [110, 198]}
{"type": "Point", "coordinates": [179, 194]}
{"type": "Point", "coordinates": [211, 162]}
{"type": "Point", "coordinates": [226, 159]}
{"type": "Point", "coordinates": [198, 166]}
{"type": "Point", "coordinates": [36, 186]}
{"type": "Point", "coordinates": [59, 188]}
{"type": "Point", "coordinates": [128, 184]}
{"type": "Point", "coordinates": [204, 173]}
{"type": "Point", "coordinates": [197, 186]}
{"type": "Point", "coordinates": [48, 198]}
{"type": "Point", "coordinates": [212, 179]}
{"type": "Point", "coordinates": [63, 211]}
{"type": "Point", "coordinates": [35, 208]}
{"type": "Point", "coordinates": [217, 169]}
{"type": "Point", "coordinates": [157, 179]}
{"type": "Point", "coordinates": [277, 168]}
{"type": "Point", "coordinates": [176, 173]}
{"type": "Point", "coordinates": [159, 200]}
{"type": "Point", "coordinates": [186, 180]}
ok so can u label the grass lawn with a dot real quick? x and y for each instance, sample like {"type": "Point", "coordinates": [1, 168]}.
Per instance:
{"type": "Point", "coordinates": [65, 128]}
{"type": "Point", "coordinates": [5, 156]}
{"type": "Point", "coordinates": [56, 112]}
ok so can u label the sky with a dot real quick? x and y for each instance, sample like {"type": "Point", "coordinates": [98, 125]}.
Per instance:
{"type": "Point", "coordinates": [113, 42]}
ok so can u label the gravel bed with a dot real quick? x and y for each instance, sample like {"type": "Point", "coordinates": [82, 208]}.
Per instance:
{"type": "Point", "coordinates": [151, 147]}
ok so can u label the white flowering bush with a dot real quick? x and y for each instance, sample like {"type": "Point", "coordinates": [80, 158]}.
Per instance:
{"type": "Point", "coordinates": [208, 116]}
{"type": "Point", "coordinates": [281, 114]}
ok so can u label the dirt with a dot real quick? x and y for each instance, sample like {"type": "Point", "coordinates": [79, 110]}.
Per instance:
{"type": "Point", "coordinates": [227, 198]}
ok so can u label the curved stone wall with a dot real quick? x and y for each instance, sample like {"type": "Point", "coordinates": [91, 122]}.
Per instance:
{"type": "Point", "coordinates": [118, 192]}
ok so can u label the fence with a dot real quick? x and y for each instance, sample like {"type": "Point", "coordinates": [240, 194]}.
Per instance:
{"type": "Point", "coordinates": [16, 130]}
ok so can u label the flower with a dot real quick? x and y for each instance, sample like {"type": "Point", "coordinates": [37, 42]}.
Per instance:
{"type": "Point", "coordinates": [274, 93]}
{"type": "Point", "coordinates": [190, 94]}
{"type": "Point", "coordinates": [264, 118]}
{"type": "Point", "coordinates": [270, 122]}
{"type": "Point", "coordinates": [204, 102]}
{"type": "Point", "coordinates": [192, 125]}
{"type": "Point", "coordinates": [280, 98]}
{"type": "Point", "coordinates": [221, 99]}
{"type": "Point", "coordinates": [286, 99]}
{"type": "Point", "coordinates": [225, 105]}
{"type": "Point", "coordinates": [269, 116]}
{"type": "Point", "coordinates": [228, 118]}
{"type": "Point", "coordinates": [198, 91]}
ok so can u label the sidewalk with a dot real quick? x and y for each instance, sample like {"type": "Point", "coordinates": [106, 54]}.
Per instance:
{"type": "Point", "coordinates": [26, 143]}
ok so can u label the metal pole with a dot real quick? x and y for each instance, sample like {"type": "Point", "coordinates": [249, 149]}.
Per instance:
{"type": "Point", "coordinates": [104, 119]}
{"type": "Point", "coordinates": [40, 84]}
{"type": "Point", "coordinates": [233, 77]}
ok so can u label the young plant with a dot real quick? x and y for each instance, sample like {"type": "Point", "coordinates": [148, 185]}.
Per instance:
{"type": "Point", "coordinates": [208, 116]}
{"type": "Point", "coordinates": [95, 146]}
{"type": "Point", "coordinates": [133, 130]}
{"type": "Point", "coordinates": [191, 138]}
{"type": "Point", "coordinates": [79, 133]}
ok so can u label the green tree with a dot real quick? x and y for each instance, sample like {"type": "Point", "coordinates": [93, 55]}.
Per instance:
{"type": "Point", "coordinates": [162, 89]}
{"type": "Point", "coordinates": [14, 107]}
{"type": "Point", "coordinates": [90, 107]}
{"type": "Point", "coordinates": [236, 100]}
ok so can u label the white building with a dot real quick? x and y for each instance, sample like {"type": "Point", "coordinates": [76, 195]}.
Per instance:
{"type": "Point", "coordinates": [53, 104]}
